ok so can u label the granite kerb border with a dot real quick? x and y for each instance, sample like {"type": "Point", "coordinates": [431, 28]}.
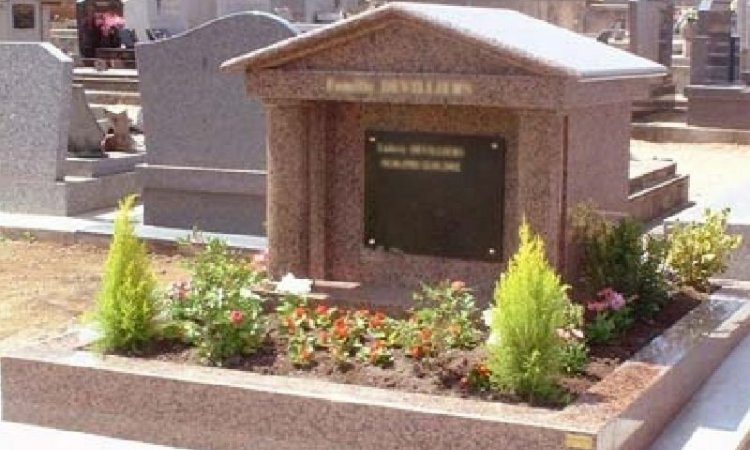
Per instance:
{"type": "Point", "coordinates": [166, 403]}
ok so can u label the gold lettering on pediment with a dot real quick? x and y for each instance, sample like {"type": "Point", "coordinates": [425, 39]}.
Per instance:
{"type": "Point", "coordinates": [399, 86]}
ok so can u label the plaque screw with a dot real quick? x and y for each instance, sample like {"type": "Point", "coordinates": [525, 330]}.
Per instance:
{"type": "Point", "coordinates": [494, 145]}
{"type": "Point", "coordinates": [492, 251]}
{"type": "Point", "coordinates": [371, 241]}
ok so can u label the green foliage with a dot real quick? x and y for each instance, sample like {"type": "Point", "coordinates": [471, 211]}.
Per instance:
{"type": "Point", "coordinates": [530, 303]}
{"type": "Point", "coordinates": [573, 357]}
{"type": "Point", "coordinates": [698, 251]}
{"type": "Point", "coordinates": [574, 353]}
{"type": "Point", "coordinates": [126, 305]}
{"type": "Point", "coordinates": [444, 317]}
{"type": "Point", "coordinates": [217, 311]}
{"type": "Point", "coordinates": [617, 256]}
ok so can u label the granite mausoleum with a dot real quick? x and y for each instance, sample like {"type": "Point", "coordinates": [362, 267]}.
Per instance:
{"type": "Point", "coordinates": [433, 90]}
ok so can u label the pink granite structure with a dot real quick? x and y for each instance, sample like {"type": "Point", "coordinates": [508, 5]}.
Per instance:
{"type": "Point", "coordinates": [559, 101]}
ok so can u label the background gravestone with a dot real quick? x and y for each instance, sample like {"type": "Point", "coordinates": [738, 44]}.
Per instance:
{"type": "Point", "coordinates": [35, 102]}
{"type": "Point", "coordinates": [206, 146]}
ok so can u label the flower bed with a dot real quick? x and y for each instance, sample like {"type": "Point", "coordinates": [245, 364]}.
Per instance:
{"type": "Point", "coordinates": [214, 408]}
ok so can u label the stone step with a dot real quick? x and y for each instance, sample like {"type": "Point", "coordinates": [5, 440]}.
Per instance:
{"type": "Point", "coordinates": [118, 84]}
{"type": "Point", "coordinates": [90, 168]}
{"type": "Point", "coordinates": [657, 201]}
{"type": "Point", "coordinates": [649, 173]}
{"type": "Point", "coordinates": [113, 97]}
{"type": "Point", "coordinates": [679, 132]}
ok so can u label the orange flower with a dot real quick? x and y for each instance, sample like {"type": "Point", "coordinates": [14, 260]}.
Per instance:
{"type": "Point", "coordinates": [416, 351]}
{"type": "Point", "coordinates": [363, 312]}
{"type": "Point", "coordinates": [458, 286]}
{"type": "Point", "coordinates": [377, 319]}
{"type": "Point", "coordinates": [321, 310]}
{"type": "Point", "coordinates": [299, 312]}
{"type": "Point", "coordinates": [323, 337]}
{"type": "Point", "coordinates": [289, 323]}
{"type": "Point", "coordinates": [377, 344]}
{"type": "Point", "coordinates": [306, 353]}
{"type": "Point", "coordinates": [425, 334]}
{"type": "Point", "coordinates": [340, 328]}
{"type": "Point", "coordinates": [483, 370]}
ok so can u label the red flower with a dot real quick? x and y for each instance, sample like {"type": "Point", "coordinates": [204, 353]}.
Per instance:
{"type": "Point", "coordinates": [236, 316]}
{"type": "Point", "coordinates": [321, 310]}
{"type": "Point", "coordinates": [458, 286]}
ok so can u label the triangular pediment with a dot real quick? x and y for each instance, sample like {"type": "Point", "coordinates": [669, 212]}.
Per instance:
{"type": "Point", "coordinates": [448, 39]}
{"type": "Point", "coordinates": [401, 47]}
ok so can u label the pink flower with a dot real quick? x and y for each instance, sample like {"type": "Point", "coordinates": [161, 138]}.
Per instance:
{"type": "Point", "coordinates": [236, 316]}
{"type": "Point", "coordinates": [180, 291]}
{"type": "Point", "coordinates": [597, 306]}
{"type": "Point", "coordinates": [616, 301]}
{"type": "Point", "coordinates": [260, 261]}
{"type": "Point", "coordinates": [457, 286]}
{"type": "Point", "coordinates": [563, 334]}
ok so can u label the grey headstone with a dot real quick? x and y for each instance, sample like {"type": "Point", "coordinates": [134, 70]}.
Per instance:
{"type": "Point", "coordinates": [35, 102]}
{"type": "Point", "coordinates": [199, 124]}
{"type": "Point", "coordinates": [85, 134]}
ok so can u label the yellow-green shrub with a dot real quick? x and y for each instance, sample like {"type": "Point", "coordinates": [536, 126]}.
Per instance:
{"type": "Point", "coordinates": [529, 308]}
{"type": "Point", "coordinates": [126, 305]}
{"type": "Point", "coordinates": [698, 251]}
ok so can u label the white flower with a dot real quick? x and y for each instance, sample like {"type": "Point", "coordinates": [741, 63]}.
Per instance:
{"type": "Point", "coordinates": [487, 317]}
{"type": "Point", "coordinates": [246, 292]}
{"type": "Point", "coordinates": [295, 286]}
{"type": "Point", "coordinates": [493, 339]}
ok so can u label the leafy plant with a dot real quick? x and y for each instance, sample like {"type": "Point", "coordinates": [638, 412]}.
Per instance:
{"type": "Point", "coordinates": [529, 307]}
{"type": "Point", "coordinates": [617, 255]}
{"type": "Point", "coordinates": [698, 251]}
{"type": "Point", "coordinates": [218, 311]}
{"type": "Point", "coordinates": [127, 304]}
{"type": "Point", "coordinates": [574, 353]}
{"type": "Point", "coordinates": [444, 317]}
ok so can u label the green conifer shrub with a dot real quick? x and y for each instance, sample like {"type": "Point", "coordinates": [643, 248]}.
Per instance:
{"type": "Point", "coordinates": [529, 308]}
{"type": "Point", "coordinates": [126, 305]}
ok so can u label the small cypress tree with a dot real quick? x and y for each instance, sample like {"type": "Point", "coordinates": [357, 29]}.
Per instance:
{"type": "Point", "coordinates": [126, 305]}
{"type": "Point", "coordinates": [530, 303]}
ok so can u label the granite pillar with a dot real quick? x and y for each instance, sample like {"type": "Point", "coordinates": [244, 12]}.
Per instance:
{"type": "Point", "coordinates": [288, 209]}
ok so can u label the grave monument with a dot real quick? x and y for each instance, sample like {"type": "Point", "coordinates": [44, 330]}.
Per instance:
{"type": "Point", "coordinates": [37, 174]}
{"type": "Point", "coordinates": [719, 90]}
{"type": "Point", "coordinates": [407, 143]}
{"type": "Point", "coordinates": [206, 160]}
{"type": "Point", "coordinates": [25, 20]}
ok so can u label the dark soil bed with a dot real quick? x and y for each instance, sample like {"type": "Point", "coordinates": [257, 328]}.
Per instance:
{"type": "Point", "coordinates": [442, 375]}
